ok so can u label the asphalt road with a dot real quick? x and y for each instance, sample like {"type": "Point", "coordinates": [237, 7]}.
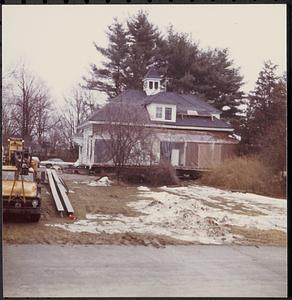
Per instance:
{"type": "Point", "coordinates": [100, 271]}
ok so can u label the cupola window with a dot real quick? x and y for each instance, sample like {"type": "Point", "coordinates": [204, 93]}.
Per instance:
{"type": "Point", "coordinates": [152, 82]}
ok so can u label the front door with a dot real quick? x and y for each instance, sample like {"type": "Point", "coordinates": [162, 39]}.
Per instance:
{"type": "Point", "coordinates": [175, 157]}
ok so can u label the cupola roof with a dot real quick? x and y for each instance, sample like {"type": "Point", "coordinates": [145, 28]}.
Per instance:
{"type": "Point", "coordinates": [152, 73]}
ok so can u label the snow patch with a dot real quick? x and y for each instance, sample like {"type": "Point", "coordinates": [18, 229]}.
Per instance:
{"type": "Point", "coordinates": [104, 181]}
{"type": "Point", "coordinates": [191, 213]}
{"type": "Point", "coordinates": [226, 107]}
{"type": "Point", "coordinates": [143, 188]}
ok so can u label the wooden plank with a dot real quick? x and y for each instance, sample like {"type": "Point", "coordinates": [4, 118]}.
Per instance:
{"type": "Point", "coordinates": [62, 191]}
{"type": "Point", "coordinates": [54, 191]}
{"type": "Point", "coordinates": [64, 184]}
{"type": "Point", "coordinates": [192, 155]}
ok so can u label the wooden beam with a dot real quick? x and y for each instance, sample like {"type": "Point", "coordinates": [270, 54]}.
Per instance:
{"type": "Point", "coordinates": [58, 203]}
{"type": "Point", "coordinates": [62, 191]}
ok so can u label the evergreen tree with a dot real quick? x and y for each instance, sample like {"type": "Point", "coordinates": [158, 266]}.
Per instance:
{"type": "Point", "coordinates": [219, 81]}
{"type": "Point", "coordinates": [264, 131]}
{"type": "Point", "coordinates": [259, 113]}
{"type": "Point", "coordinates": [180, 54]}
{"type": "Point", "coordinates": [111, 77]}
{"type": "Point", "coordinates": [143, 38]}
{"type": "Point", "coordinates": [208, 73]}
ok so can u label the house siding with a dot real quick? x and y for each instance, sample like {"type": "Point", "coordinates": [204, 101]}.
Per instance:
{"type": "Point", "coordinates": [197, 149]}
{"type": "Point", "coordinates": [206, 156]}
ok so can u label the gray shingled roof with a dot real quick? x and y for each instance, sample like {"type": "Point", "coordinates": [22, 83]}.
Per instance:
{"type": "Point", "coordinates": [152, 73]}
{"type": "Point", "coordinates": [183, 102]}
{"type": "Point", "coordinates": [131, 96]}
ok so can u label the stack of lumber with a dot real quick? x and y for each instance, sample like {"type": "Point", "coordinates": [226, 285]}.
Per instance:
{"type": "Point", "coordinates": [59, 193]}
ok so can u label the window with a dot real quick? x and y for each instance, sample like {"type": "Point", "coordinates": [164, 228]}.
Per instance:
{"type": "Point", "coordinates": [168, 113]}
{"type": "Point", "coordinates": [150, 85]}
{"type": "Point", "coordinates": [8, 175]}
{"type": "Point", "coordinates": [29, 177]}
{"type": "Point", "coordinates": [156, 85]}
{"type": "Point", "coordinates": [159, 112]}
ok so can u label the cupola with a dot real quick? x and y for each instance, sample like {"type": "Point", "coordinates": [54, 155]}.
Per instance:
{"type": "Point", "coordinates": [152, 82]}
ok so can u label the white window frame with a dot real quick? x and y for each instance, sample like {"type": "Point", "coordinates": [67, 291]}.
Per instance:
{"type": "Point", "coordinates": [161, 112]}
{"type": "Point", "coordinates": [165, 108]}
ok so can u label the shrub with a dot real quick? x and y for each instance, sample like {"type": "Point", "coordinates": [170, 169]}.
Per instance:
{"type": "Point", "coordinates": [248, 174]}
{"type": "Point", "coordinates": [156, 175]}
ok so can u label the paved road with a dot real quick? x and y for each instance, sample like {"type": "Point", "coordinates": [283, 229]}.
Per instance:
{"type": "Point", "coordinates": [96, 271]}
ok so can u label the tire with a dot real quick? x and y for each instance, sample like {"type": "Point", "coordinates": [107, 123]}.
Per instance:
{"type": "Point", "coordinates": [35, 218]}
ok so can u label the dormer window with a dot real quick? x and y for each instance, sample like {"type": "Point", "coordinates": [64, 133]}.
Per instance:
{"type": "Point", "coordinates": [150, 85]}
{"type": "Point", "coordinates": [156, 85]}
{"type": "Point", "coordinates": [162, 112]}
{"type": "Point", "coordinates": [168, 113]}
{"type": "Point", "coordinates": [158, 114]}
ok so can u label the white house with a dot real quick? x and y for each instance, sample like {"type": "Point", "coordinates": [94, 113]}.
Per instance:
{"type": "Point", "coordinates": [189, 132]}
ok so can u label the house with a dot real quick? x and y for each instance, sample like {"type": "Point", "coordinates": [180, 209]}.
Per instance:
{"type": "Point", "coordinates": [188, 131]}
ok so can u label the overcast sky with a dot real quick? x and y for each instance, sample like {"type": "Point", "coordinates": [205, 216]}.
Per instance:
{"type": "Point", "coordinates": [56, 41]}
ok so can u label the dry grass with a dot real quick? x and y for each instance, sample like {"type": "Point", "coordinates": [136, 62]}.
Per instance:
{"type": "Point", "coordinates": [252, 236]}
{"type": "Point", "coordinates": [248, 174]}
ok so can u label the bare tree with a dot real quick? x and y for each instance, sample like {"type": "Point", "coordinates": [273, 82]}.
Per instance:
{"type": "Point", "coordinates": [125, 135]}
{"type": "Point", "coordinates": [81, 103]}
{"type": "Point", "coordinates": [78, 106]}
{"type": "Point", "coordinates": [31, 104]}
{"type": "Point", "coordinates": [8, 126]}
{"type": "Point", "coordinates": [43, 113]}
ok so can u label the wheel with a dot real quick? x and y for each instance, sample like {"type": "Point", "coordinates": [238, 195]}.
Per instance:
{"type": "Point", "coordinates": [35, 218]}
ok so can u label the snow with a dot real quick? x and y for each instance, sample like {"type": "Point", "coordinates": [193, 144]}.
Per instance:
{"type": "Point", "coordinates": [191, 213]}
{"type": "Point", "coordinates": [238, 137]}
{"type": "Point", "coordinates": [143, 188]}
{"type": "Point", "coordinates": [226, 107]}
{"type": "Point", "coordinates": [103, 181]}
{"type": "Point", "coordinates": [77, 163]}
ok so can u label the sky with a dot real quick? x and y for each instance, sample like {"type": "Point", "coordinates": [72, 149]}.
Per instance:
{"type": "Point", "coordinates": [56, 41]}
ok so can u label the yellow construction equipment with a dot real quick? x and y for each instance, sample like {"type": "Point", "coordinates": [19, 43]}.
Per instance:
{"type": "Point", "coordinates": [21, 192]}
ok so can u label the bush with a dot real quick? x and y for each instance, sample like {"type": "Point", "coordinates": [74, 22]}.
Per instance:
{"type": "Point", "coordinates": [157, 175]}
{"type": "Point", "coordinates": [247, 174]}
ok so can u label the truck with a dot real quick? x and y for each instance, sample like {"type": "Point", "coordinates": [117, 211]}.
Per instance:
{"type": "Point", "coordinates": [21, 191]}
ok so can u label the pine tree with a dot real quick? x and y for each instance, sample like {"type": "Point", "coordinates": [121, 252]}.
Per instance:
{"type": "Point", "coordinates": [111, 77]}
{"type": "Point", "coordinates": [143, 39]}
{"type": "Point", "coordinates": [208, 73]}
{"type": "Point", "coordinates": [219, 81]}
{"type": "Point", "coordinates": [273, 142]}
{"type": "Point", "coordinates": [259, 112]}
{"type": "Point", "coordinates": [264, 131]}
{"type": "Point", "coordinates": [180, 54]}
